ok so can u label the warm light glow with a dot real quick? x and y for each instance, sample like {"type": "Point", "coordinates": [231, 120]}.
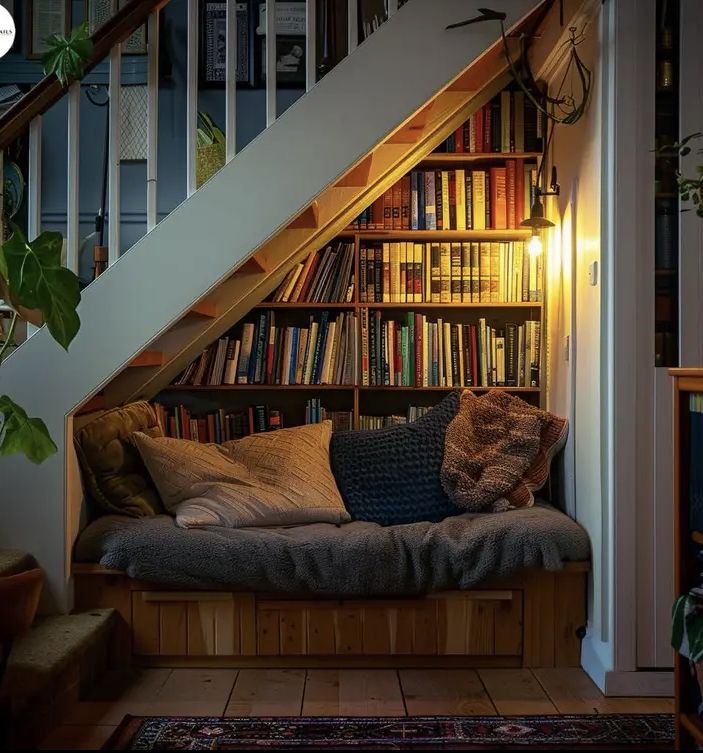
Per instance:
{"type": "Point", "coordinates": [534, 247]}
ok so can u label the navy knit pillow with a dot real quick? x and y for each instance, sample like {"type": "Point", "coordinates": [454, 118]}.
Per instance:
{"type": "Point", "coordinates": [392, 476]}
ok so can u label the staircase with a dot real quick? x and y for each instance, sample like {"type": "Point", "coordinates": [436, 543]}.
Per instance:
{"type": "Point", "coordinates": [220, 252]}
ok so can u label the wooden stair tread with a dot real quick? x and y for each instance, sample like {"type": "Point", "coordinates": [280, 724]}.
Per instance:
{"type": "Point", "coordinates": [205, 308]}
{"type": "Point", "coordinates": [147, 358]}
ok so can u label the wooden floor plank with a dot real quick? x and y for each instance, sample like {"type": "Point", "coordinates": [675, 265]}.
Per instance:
{"type": "Point", "coordinates": [516, 691]}
{"type": "Point", "coordinates": [77, 737]}
{"type": "Point", "coordinates": [572, 691]}
{"type": "Point", "coordinates": [267, 692]}
{"type": "Point", "coordinates": [352, 692]}
{"type": "Point", "coordinates": [444, 691]}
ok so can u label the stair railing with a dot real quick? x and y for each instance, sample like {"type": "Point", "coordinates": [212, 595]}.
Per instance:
{"type": "Point", "coordinates": [26, 114]}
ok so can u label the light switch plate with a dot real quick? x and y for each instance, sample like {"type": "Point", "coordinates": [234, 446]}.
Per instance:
{"type": "Point", "coordinates": [593, 273]}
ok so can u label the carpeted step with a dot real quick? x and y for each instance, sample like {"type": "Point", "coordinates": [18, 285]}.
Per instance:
{"type": "Point", "coordinates": [51, 665]}
{"type": "Point", "coordinates": [13, 561]}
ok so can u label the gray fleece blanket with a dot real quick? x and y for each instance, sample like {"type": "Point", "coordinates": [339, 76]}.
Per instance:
{"type": "Point", "coordinates": [348, 560]}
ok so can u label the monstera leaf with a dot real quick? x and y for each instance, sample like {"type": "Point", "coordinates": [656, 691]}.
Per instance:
{"type": "Point", "coordinates": [20, 433]}
{"type": "Point", "coordinates": [38, 281]}
{"type": "Point", "coordinates": [67, 56]}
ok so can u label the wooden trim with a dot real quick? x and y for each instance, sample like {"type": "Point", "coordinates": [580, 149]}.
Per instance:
{"type": "Point", "coordinates": [147, 358]}
{"type": "Point", "coordinates": [49, 90]}
{"type": "Point", "coordinates": [530, 619]}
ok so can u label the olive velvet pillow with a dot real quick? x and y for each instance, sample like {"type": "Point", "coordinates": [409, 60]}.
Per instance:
{"type": "Point", "coordinates": [392, 476]}
{"type": "Point", "coordinates": [114, 473]}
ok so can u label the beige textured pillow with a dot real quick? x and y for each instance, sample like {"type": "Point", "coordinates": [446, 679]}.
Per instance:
{"type": "Point", "coordinates": [275, 478]}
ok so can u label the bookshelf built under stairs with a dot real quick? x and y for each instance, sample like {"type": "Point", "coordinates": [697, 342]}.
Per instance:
{"type": "Point", "coordinates": [222, 251]}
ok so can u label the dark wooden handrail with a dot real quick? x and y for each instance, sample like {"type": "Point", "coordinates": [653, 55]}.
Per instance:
{"type": "Point", "coordinates": [49, 90]}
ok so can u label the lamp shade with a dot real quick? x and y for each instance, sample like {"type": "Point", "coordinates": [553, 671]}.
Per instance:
{"type": "Point", "coordinates": [537, 220]}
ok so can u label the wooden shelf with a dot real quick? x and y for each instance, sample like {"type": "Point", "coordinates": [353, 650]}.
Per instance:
{"type": "Point", "coordinates": [251, 387]}
{"type": "Point", "coordinates": [386, 388]}
{"type": "Point", "coordinates": [697, 536]}
{"type": "Point", "coordinates": [303, 305]}
{"type": "Point", "coordinates": [411, 306]}
{"type": "Point", "coordinates": [440, 235]}
{"type": "Point", "coordinates": [452, 158]}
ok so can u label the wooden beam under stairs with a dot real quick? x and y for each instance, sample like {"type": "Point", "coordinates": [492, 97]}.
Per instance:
{"type": "Point", "coordinates": [147, 358]}
{"type": "Point", "coordinates": [206, 308]}
{"type": "Point", "coordinates": [357, 177]}
{"type": "Point", "coordinates": [309, 218]}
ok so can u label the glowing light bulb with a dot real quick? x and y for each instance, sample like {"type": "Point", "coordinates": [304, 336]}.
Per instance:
{"type": "Point", "coordinates": [534, 247]}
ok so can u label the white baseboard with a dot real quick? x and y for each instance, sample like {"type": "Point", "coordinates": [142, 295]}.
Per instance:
{"type": "Point", "coordinates": [592, 663]}
{"type": "Point", "coordinates": [643, 683]}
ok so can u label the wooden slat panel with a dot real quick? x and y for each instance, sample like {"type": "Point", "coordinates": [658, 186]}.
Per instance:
{"type": "Point", "coordinates": [267, 630]}
{"type": "Point", "coordinates": [320, 632]}
{"type": "Point", "coordinates": [570, 595]}
{"type": "Point", "coordinates": [376, 637]}
{"type": "Point", "coordinates": [451, 626]}
{"type": "Point", "coordinates": [404, 619]}
{"type": "Point", "coordinates": [508, 627]}
{"type": "Point", "coordinates": [173, 629]}
{"type": "Point", "coordinates": [201, 628]}
{"type": "Point", "coordinates": [292, 633]}
{"type": "Point", "coordinates": [425, 629]}
{"type": "Point", "coordinates": [480, 617]}
{"type": "Point", "coordinates": [538, 649]}
{"type": "Point", "coordinates": [183, 596]}
{"type": "Point", "coordinates": [348, 631]}
{"type": "Point", "coordinates": [246, 616]}
{"type": "Point", "coordinates": [227, 635]}
{"type": "Point", "coordinates": [145, 626]}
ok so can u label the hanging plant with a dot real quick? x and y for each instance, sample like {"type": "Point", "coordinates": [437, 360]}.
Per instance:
{"type": "Point", "coordinates": [67, 57]}
{"type": "Point", "coordinates": [690, 189]}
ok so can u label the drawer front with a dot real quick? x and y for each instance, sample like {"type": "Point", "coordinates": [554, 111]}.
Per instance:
{"type": "Point", "coordinates": [177, 623]}
{"type": "Point", "coordinates": [476, 623]}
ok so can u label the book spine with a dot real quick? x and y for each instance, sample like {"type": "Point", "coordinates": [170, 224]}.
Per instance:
{"type": "Point", "coordinates": [510, 195]}
{"type": "Point", "coordinates": [419, 348]}
{"type": "Point", "coordinates": [455, 272]}
{"type": "Point", "coordinates": [446, 208]}
{"type": "Point", "coordinates": [417, 272]}
{"type": "Point", "coordinates": [405, 202]}
{"type": "Point", "coordinates": [388, 209]}
{"type": "Point", "coordinates": [466, 273]}
{"type": "Point", "coordinates": [478, 182]}
{"type": "Point", "coordinates": [430, 201]}
{"type": "Point", "coordinates": [397, 200]}
{"type": "Point", "coordinates": [499, 206]}
{"type": "Point", "coordinates": [414, 200]}
{"type": "Point", "coordinates": [452, 199]}
{"type": "Point", "coordinates": [438, 200]}
{"type": "Point", "coordinates": [445, 273]}
{"type": "Point", "coordinates": [494, 272]}
{"type": "Point", "coordinates": [386, 284]}
{"type": "Point", "coordinates": [484, 272]}
{"type": "Point", "coordinates": [460, 199]}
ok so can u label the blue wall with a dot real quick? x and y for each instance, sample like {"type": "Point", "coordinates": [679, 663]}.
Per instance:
{"type": "Point", "coordinates": [251, 120]}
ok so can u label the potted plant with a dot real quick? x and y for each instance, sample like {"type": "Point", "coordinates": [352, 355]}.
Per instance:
{"type": "Point", "coordinates": [210, 149]}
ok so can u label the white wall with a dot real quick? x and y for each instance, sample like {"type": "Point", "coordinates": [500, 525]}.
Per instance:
{"type": "Point", "coordinates": [575, 313]}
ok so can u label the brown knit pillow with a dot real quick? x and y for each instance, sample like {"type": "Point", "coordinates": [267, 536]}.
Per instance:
{"type": "Point", "coordinates": [498, 450]}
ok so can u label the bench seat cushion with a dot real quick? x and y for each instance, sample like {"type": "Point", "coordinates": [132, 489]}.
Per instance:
{"type": "Point", "coordinates": [347, 560]}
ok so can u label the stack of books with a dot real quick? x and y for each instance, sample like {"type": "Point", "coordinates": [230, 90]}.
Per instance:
{"type": "Point", "coordinates": [326, 276]}
{"type": "Point", "coordinates": [315, 413]}
{"type": "Point", "coordinates": [419, 352]}
{"type": "Point", "coordinates": [217, 426]}
{"type": "Point", "coordinates": [324, 352]}
{"type": "Point", "coordinates": [436, 272]}
{"type": "Point", "coordinates": [510, 122]}
{"type": "Point", "coordinates": [487, 198]}
{"type": "Point", "coordinates": [380, 422]}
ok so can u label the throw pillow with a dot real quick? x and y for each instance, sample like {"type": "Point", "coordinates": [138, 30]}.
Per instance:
{"type": "Point", "coordinates": [270, 479]}
{"type": "Point", "coordinates": [392, 476]}
{"type": "Point", "coordinates": [113, 470]}
{"type": "Point", "coordinates": [498, 450]}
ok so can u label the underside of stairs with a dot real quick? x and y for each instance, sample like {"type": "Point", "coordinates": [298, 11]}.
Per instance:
{"type": "Point", "coordinates": [290, 191]}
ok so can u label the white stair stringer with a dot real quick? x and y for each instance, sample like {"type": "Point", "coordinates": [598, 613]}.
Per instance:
{"type": "Point", "coordinates": [366, 98]}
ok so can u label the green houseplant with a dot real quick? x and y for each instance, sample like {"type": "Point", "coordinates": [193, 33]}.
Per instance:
{"type": "Point", "coordinates": [67, 56]}
{"type": "Point", "coordinates": [210, 149]}
{"type": "Point", "coordinates": [38, 289]}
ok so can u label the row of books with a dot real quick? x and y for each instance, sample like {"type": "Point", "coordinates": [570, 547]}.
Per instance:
{"type": "Point", "coordinates": [381, 422]}
{"type": "Point", "coordinates": [419, 352]}
{"type": "Point", "coordinates": [326, 276]}
{"type": "Point", "coordinates": [315, 413]}
{"type": "Point", "coordinates": [510, 122]}
{"type": "Point", "coordinates": [217, 426]}
{"type": "Point", "coordinates": [407, 272]}
{"type": "Point", "coordinates": [324, 352]}
{"type": "Point", "coordinates": [491, 198]}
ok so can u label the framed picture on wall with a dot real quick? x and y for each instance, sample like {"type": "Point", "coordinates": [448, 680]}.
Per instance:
{"type": "Point", "coordinates": [213, 43]}
{"type": "Point", "coordinates": [46, 17]}
{"type": "Point", "coordinates": [290, 45]}
{"type": "Point", "coordinates": [98, 11]}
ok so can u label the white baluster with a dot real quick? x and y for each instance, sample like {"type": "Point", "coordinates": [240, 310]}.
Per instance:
{"type": "Point", "coordinates": [392, 7]}
{"type": "Point", "coordinates": [310, 44]}
{"type": "Point", "coordinates": [152, 126]}
{"type": "Point", "coordinates": [192, 97]}
{"type": "Point", "coordinates": [270, 62]}
{"type": "Point", "coordinates": [113, 243]}
{"type": "Point", "coordinates": [72, 196]}
{"type": "Point", "coordinates": [34, 188]}
{"type": "Point", "coordinates": [231, 82]}
{"type": "Point", "coordinates": [352, 25]}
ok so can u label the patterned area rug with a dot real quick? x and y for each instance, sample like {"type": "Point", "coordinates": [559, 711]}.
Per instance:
{"type": "Point", "coordinates": [601, 731]}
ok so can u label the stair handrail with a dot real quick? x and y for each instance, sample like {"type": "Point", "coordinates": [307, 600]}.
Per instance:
{"type": "Point", "coordinates": [50, 90]}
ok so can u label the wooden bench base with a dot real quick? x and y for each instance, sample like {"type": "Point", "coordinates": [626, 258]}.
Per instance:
{"type": "Point", "coordinates": [529, 620]}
